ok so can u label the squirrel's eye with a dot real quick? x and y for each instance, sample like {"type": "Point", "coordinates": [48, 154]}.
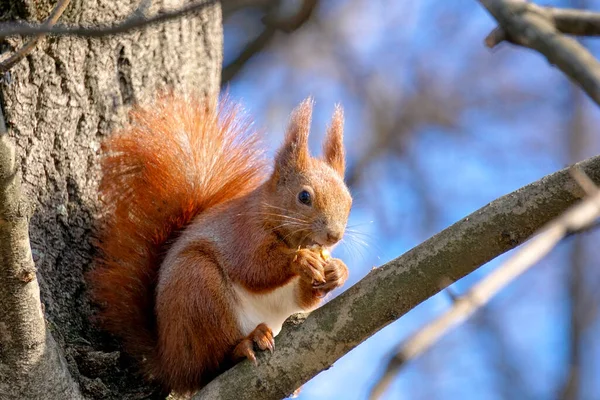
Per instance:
{"type": "Point", "coordinates": [304, 198]}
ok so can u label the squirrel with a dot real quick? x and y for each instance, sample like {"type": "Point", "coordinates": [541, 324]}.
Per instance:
{"type": "Point", "coordinates": [204, 251]}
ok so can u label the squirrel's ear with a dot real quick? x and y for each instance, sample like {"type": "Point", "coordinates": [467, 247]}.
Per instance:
{"type": "Point", "coordinates": [333, 147]}
{"type": "Point", "coordinates": [294, 150]}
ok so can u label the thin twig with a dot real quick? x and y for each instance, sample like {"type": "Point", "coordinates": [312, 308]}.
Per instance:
{"type": "Point", "coordinates": [229, 7]}
{"type": "Point", "coordinates": [294, 22]}
{"type": "Point", "coordinates": [3, 129]}
{"type": "Point", "coordinates": [445, 284]}
{"type": "Point", "coordinates": [535, 27]}
{"type": "Point", "coordinates": [142, 9]}
{"type": "Point", "coordinates": [58, 10]}
{"type": "Point", "coordinates": [584, 181]}
{"type": "Point", "coordinates": [287, 25]}
{"type": "Point", "coordinates": [132, 23]}
{"type": "Point", "coordinates": [495, 37]}
{"type": "Point", "coordinates": [577, 218]}
{"type": "Point", "coordinates": [249, 51]}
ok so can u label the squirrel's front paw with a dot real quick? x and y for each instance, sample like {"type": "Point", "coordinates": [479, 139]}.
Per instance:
{"type": "Point", "coordinates": [336, 274]}
{"type": "Point", "coordinates": [310, 265]}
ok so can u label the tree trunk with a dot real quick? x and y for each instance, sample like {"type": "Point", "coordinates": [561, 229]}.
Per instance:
{"type": "Point", "coordinates": [59, 103]}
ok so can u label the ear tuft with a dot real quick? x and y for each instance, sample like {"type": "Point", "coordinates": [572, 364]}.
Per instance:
{"type": "Point", "coordinates": [333, 147]}
{"type": "Point", "coordinates": [294, 150]}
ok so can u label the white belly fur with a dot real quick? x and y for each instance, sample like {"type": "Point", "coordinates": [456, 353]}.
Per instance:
{"type": "Point", "coordinates": [271, 308]}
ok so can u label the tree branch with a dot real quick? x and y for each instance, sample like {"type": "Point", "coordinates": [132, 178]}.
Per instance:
{"type": "Point", "coordinates": [534, 27]}
{"type": "Point", "coordinates": [229, 7]}
{"type": "Point", "coordinates": [249, 51]}
{"type": "Point", "coordinates": [136, 21]}
{"type": "Point", "coordinates": [58, 10]}
{"type": "Point", "coordinates": [31, 366]}
{"type": "Point", "coordinates": [272, 25]}
{"type": "Point", "coordinates": [567, 21]}
{"type": "Point", "coordinates": [575, 22]}
{"type": "Point", "coordinates": [388, 292]}
{"type": "Point", "coordinates": [577, 218]}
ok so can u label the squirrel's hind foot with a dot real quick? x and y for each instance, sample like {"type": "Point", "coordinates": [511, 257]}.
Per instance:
{"type": "Point", "coordinates": [262, 335]}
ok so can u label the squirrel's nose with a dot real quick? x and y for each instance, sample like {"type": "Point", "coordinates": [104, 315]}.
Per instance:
{"type": "Point", "coordinates": [334, 236]}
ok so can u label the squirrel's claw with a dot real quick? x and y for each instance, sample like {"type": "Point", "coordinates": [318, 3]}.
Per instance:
{"type": "Point", "coordinates": [270, 345]}
{"type": "Point", "coordinates": [336, 274]}
{"type": "Point", "coordinates": [244, 349]}
{"type": "Point", "coordinates": [309, 264]}
{"type": "Point", "coordinates": [262, 335]}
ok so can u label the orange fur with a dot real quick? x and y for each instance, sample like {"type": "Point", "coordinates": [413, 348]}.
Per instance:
{"type": "Point", "coordinates": [193, 221]}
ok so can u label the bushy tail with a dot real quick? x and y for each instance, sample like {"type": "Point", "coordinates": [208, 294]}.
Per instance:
{"type": "Point", "coordinates": [178, 157]}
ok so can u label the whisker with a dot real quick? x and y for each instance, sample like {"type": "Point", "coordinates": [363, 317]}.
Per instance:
{"type": "Point", "coordinates": [294, 232]}
{"type": "Point", "coordinates": [305, 236]}
{"type": "Point", "coordinates": [272, 205]}
{"type": "Point", "coordinates": [282, 209]}
{"type": "Point", "coordinates": [294, 224]}
{"type": "Point", "coordinates": [362, 248]}
{"type": "Point", "coordinates": [353, 250]}
{"type": "Point", "coordinates": [358, 233]}
{"type": "Point", "coordinates": [357, 239]}
{"type": "Point", "coordinates": [364, 245]}
{"type": "Point", "coordinates": [274, 215]}
{"type": "Point", "coordinates": [359, 224]}
{"type": "Point", "coordinates": [356, 245]}
{"type": "Point", "coordinates": [289, 191]}
{"type": "Point", "coordinates": [364, 239]}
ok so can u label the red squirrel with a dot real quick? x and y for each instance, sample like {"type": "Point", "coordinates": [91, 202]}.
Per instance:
{"type": "Point", "coordinates": [204, 251]}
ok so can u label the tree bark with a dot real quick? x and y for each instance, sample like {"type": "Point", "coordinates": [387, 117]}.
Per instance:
{"type": "Point", "coordinates": [59, 103]}
{"type": "Point", "coordinates": [532, 26]}
{"type": "Point", "coordinates": [31, 365]}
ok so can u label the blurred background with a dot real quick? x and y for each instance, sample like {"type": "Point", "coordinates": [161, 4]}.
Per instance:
{"type": "Point", "coordinates": [437, 126]}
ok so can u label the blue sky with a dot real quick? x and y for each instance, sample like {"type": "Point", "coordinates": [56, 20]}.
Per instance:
{"type": "Point", "coordinates": [498, 145]}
